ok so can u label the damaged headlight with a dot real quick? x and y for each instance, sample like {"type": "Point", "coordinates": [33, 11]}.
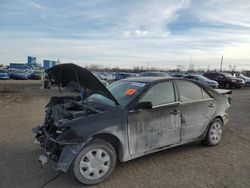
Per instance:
{"type": "Point", "coordinates": [67, 135]}
{"type": "Point", "coordinates": [61, 130]}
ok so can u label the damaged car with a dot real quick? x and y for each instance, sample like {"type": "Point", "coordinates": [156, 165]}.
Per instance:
{"type": "Point", "coordinates": [88, 132]}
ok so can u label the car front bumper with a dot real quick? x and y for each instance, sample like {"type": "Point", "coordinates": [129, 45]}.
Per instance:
{"type": "Point", "coordinates": [238, 84]}
{"type": "Point", "coordinates": [61, 153]}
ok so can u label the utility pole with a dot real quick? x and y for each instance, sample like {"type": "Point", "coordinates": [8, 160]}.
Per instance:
{"type": "Point", "coordinates": [221, 63]}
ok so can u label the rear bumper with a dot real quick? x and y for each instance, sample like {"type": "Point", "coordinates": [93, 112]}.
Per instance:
{"type": "Point", "coordinates": [238, 84]}
{"type": "Point", "coordinates": [225, 118]}
{"type": "Point", "coordinates": [4, 78]}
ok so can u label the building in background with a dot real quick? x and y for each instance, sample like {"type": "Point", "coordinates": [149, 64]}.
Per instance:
{"type": "Point", "coordinates": [31, 61]}
{"type": "Point", "coordinates": [22, 66]}
{"type": "Point", "coordinates": [31, 64]}
{"type": "Point", "coordinates": [50, 63]}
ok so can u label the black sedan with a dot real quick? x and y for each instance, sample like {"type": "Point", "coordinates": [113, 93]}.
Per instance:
{"type": "Point", "coordinates": [88, 133]}
{"type": "Point", "coordinates": [203, 79]}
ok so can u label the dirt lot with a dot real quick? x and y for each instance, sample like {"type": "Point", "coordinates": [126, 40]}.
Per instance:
{"type": "Point", "coordinates": [193, 165]}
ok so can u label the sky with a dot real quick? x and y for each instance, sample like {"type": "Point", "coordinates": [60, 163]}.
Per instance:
{"type": "Point", "coordinates": [154, 33]}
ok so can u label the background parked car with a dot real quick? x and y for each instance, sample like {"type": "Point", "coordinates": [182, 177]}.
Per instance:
{"type": "Point", "coordinates": [246, 80]}
{"type": "Point", "coordinates": [21, 74]}
{"type": "Point", "coordinates": [122, 75]}
{"type": "Point", "coordinates": [4, 74]}
{"type": "Point", "coordinates": [154, 74]}
{"type": "Point", "coordinates": [99, 76]}
{"type": "Point", "coordinates": [203, 79]}
{"type": "Point", "coordinates": [178, 75]}
{"type": "Point", "coordinates": [225, 80]}
{"type": "Point", "coordinates": [35, 74]}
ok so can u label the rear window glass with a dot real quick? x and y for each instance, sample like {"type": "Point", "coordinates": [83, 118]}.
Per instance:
{"type": "Point", "coordinates": [205, 95]}
{"type": "Point", "coordinates": [188, 91]}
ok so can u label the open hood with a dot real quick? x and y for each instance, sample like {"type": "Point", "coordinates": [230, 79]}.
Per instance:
{"type": "Point", "coordinates": [63, 74]}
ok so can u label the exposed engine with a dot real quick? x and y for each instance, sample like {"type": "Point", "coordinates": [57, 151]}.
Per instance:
{"type": "Point", "coordinates": [61, 110]}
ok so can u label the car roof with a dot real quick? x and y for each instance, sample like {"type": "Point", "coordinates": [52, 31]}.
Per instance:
{"type": "Point", "coordinates": [150, 79]}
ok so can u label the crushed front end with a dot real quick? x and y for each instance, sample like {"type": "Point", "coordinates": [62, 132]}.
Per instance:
{"type": "Point", "coordinates": [59, 141]}
{"type": "Point", "coordinates": [65, 129]}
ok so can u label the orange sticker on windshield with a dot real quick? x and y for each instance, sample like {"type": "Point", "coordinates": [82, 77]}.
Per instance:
{"type": "Point", "coordinates": [130, 92]}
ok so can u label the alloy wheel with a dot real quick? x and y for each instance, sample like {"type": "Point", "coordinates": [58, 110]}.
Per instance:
{"type": "Point", "coordinates": [95, 164]}
{"type": "Point", "coordinates": [215, 133]}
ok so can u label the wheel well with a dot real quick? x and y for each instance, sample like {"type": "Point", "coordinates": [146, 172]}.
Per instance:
{"type": "Point", "coordinates": [205, 132]}
{"type": "Point", "coordinates": [113, 140]}
{"type": "Point", "coordinates": [219, 117]}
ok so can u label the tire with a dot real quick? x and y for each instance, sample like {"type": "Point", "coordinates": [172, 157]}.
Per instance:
{"type": "Point", "coordinates": [227, 86]}
{"type": "Point", "coordinates": [214, 133]}
{"type": "Point", "coordinates": [98, 159]}
{"type": "Point", "coordinates": [248, 84]}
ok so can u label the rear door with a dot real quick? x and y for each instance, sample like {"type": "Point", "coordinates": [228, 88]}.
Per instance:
{"type": "Point", "coordinates": [197, 109]}
{"type": "Point", "coordinates": [160, 126]}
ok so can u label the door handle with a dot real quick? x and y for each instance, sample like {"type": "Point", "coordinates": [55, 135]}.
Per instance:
{"type": "Point", "coordinates": [174, 112]}
{"type": "Point", "coordinates": [212, 105]}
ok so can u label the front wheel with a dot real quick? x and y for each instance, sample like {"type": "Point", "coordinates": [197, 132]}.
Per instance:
{"type": "Point", "coordinates": [95, 162]}
{"type": "Point", "coordinates": [214, 133]}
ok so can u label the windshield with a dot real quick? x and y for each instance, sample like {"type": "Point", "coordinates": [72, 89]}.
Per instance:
{"type": "Point", "coordinates": [228, 75]}
{"type": "Point", "coordinates": [127, 75]}
{"type": "Point", "coordinates": [154, 74]}
{"type": "Point", "coordinates": [244, 77]}
{"type": "Point", "coordinates": [3, 71]}
{"type": "Point", "coordinates": [203, 78]}
{"type": "Point", "coordinates": [124, 92]}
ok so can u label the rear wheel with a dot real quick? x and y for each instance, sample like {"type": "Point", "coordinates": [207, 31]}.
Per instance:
{"type": "Point", "coordinates": [95, 162]}
{"type": "Point", "coordinates": [214, 133]}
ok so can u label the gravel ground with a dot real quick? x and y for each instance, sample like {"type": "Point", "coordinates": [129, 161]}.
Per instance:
{"type": "Point", "coordinates": [192, 165]}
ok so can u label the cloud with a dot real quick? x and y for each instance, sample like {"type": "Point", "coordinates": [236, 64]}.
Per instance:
{"type": "Point", "coordinates": [151, 18]}
{"type": "Point", "coordinates": [163, 33]}
{"type": "Point", "coordinates": [228, 12]}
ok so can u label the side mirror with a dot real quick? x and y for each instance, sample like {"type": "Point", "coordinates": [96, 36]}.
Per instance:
{"type": "Point", "coordinates": [143, 105]}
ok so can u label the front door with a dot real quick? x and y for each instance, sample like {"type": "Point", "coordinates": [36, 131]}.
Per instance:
{"type": "Point", "coordinates": [157, 127]}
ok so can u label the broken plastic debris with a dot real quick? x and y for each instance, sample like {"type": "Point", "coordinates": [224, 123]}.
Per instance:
{"type": "Point", "coordinates": [43, 159]}
{"type": "Point", "coordinates": [36, 142]}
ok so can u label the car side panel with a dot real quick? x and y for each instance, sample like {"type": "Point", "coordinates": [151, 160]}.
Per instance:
{"type": "Point", "coordinates": [195, 116]}
{"type": "Point", "coordinates": [153, 128]}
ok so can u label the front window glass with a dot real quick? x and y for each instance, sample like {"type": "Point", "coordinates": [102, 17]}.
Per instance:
{"type": "Point", "coordinates": [162, 93]}
{"type": "Point", "coordinates": [188, 91]}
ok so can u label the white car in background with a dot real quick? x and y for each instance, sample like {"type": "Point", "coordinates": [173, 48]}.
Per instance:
{"type": "Point", "coordinates": [246, 80]}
